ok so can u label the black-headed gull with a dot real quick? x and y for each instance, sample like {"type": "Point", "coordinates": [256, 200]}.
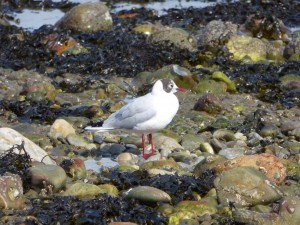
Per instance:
{"type": "Point", "coordinates": [145, 114]}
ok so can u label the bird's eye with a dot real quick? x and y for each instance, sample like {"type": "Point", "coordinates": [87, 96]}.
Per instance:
{"type": "Point", "coordinates": [171, 85]}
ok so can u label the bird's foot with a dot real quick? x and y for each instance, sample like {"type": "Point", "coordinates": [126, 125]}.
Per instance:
{"type": "Point", "coordinates": [147, 155]}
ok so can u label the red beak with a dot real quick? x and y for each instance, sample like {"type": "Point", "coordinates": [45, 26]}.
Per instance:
{"type": "Point", "coordinates": [181, 89]}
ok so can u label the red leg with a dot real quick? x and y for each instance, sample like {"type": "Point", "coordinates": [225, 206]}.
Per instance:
{"type": "Point", "coordinates": [147, 155]}
{"type": "Point", "coordinates": [143, 144]}
{"type": "Point", "coordinates": [151, 143]}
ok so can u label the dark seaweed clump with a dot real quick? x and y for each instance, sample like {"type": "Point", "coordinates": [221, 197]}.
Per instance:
{"type": "Point", "coordinates": [16, 163]}
{"type": "Point", "coordinates": [178, 187]}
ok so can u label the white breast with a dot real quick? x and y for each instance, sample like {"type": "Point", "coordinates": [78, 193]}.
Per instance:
{"type": "Point", "coordinates": [166, 107]}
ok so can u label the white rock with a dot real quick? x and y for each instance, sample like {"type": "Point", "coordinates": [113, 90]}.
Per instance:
{"type": "Point", "coordinates": [60, 129]}
{"type": "Point", "coordinates": [10, 137]}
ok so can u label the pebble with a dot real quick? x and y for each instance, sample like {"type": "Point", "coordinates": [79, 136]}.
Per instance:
{"type": "Point", "coordinates": [60, 129]}
{"type": "Point", "coordinates": [147, 194]}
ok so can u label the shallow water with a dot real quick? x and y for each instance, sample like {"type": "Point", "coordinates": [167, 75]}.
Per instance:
{"type": "Point", "coordinates": [33, 19]}
{"type": "Point", "coordinates": [97, 165]}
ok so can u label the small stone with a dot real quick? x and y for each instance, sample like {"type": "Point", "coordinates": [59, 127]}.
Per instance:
{"type": "Point", "coordinates": [147, 194]}
{"type": "Point", "coordinates": [79, 141]}
{"type": "Point", "coordinates": [75, 168]}
{"type": "Point", "coordinates": [60, 129]}
{"type": "Point", "coordinates": [231, 153]}
{"type": "Point", "coordinates": [116, 149]}
{"type": "Point", "coordinates": [220, 76]}
{"type": "Point", "coordinates": [43, 176]}
{"type": "Point", "coordinates": [289, 125]}
{"type": "Point", "coordinates": [192, 141]}
{"type": "Point", "coordinates": [206, 147]}
{"type": "Point", "coordinates": [209, 103]}
{"type": "Point", "coordinates": [127, 159]}
{"type": "Point", "coordinates": [83, 190]}
{"type": "Point", "coordinates": [162, 164]}
{"type": "Point", "coordinates": [269, 131]}
{"type": "Point", "coordinates": [224, 135]}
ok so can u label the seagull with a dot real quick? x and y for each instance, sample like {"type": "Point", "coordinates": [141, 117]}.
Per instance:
{"type": "Point", "coordinates": [146, 114]}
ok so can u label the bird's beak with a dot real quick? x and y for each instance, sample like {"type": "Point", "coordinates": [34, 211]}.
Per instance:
{"type": "Point", "coordinates": [180, 89]}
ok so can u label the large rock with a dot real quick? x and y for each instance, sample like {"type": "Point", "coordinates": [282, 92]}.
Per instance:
{"type": "Point", "coordinates": [11, 192]}
{"type": "Point", "coordinates": [243, 47]}
{"type": "Point", "coordinates": [10, 137]}
{"type": "Point", "coordinates": [48, 175]}
{"type": "Point", "coordinates": [269, 164]}
{"type": "Point", "coordinates": [245, 186]}
{"type": "Point", "coordinates": [87, 17]}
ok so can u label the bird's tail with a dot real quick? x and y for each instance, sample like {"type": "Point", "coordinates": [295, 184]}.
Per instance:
{"type": "Point", "coordinates": [98, 129]}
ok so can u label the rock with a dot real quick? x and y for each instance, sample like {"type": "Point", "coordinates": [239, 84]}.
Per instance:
{"type": "Point", "coordinates": [161, 164]}
{"type": "Point", "coordinates": [10, 137]}
{"type": "Point", "coordinates": [75, 168]}
{"type": "Point", "coordinates": [39, 90]}
{"type": "Point", "coordinates": [11, 192]}
{"type": "Point", "coordinates": [243, 47]}
{"type": "Point", "coordinates": [220, 76]}
{"type": "Point", "coordinates": [269, 131]}
{"type": "Point", "coordinates": [206, 147]}
{"type": "Point", "coordinates": [176, 36]}
{"type": "Point", "coordinates": [209, 103]}
{"type": "Point", "coordinates": [83, 190]}
{"type": "Point", "coordinates": [190, 210]}
{"type": "Point", "coordinates": [288, 208]}
{"type": "Point", "coordinates": [208, 163]}
{"type": "Point", "coordinates": [109, 189]}
{"type": "Point", "coordinates": [224, 135]}
{"type": "Point", "coordinates": [144, 81]}
{"type": "Point", "coordinates": [289, 125]}
{"type": "Point", "coordinates": [210, 86]}
{"type": "Point", "coordinates": [293, 47]}
{"type": "Point", "coordinates": [127, 159]}
{"type": "Point", "coordinates": [296, 133]}
{"type": "Point", "coordinates": [254, 187]}
{"type": "Point", "coordinates": [275, 50]}
{"type": "Point", "coordinates": [251, 217]}
{"type": "Point", "coordinates": [60, 129]}
{"type": "Point", "coordinates": [43, 176]}
{"type": "Point", "coordinates": [116, 149]}
{"type": "Point", "coordinates": [87, 17]}
{"type": "Point", "coordinates": [231, 153]}
{"type": "Point", "coordinates": [147, 194]}
{"type": "Point", "coordinates": [216, 33]}
{"type": "Point", "coordinates": [79, 141]}
{"type": "Point", "coordinates": [192, 141]}
{"type": "Point", "coordinates": [268, 164]}
{"type": "Point", "coordinates": [122, 223]}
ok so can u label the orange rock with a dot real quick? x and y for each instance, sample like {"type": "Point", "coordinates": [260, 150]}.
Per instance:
{"type": "Point", "coordinates": [269, 164]}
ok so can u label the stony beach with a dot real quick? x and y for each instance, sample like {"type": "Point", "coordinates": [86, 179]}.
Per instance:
{"type": "Point", "coordinates": [231, 155]}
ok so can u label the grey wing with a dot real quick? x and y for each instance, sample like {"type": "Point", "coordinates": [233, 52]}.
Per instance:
{"type": "Point", "coordinates": [130, 115]}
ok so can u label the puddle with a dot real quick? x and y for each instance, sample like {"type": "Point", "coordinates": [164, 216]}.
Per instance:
{"type": "Point", "coordinates": [97, 165]}
{"type": "Point", "coordinates": [34, 19]}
